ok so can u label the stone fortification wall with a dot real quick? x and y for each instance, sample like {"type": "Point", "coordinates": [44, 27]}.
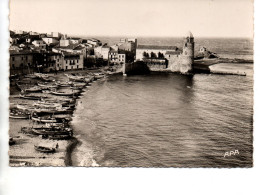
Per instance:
{"type": "Point", "coordinates": [180, 63]}
{"type": "Point", "coordinates": [138, 67]}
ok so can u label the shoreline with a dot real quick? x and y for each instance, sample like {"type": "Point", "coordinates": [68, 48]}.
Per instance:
{"type": "Point", "coordinates": [71, 146]}
{"type": "Point", "coordinates": [67, 147]}
{"type": "Point", "coordinates": [22, 152]}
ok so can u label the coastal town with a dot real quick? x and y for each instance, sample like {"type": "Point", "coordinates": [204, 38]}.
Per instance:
{"type": "Point", "coordinates": [42, 52]}
{"type": "Point", "coordinates": [49, 72]}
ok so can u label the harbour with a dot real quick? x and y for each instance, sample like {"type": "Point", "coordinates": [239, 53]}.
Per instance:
{"type": "Point", "coordinates": [166, 120]}
{"type": "Point", "coordinates": [63, 109]}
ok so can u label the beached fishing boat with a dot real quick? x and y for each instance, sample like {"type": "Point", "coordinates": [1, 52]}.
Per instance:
{"type": "Point", "coordinates": [32, 97]}
{"type": "Point", "coordinates": [44, 77]}
{"type": "Point", "coordinates": [64, 84]}
{"type": "Point", "coordinates": [47, 79]}
{"type": "Point", "coordinates": [44, 119]}
{"type": "Point", "coordinates": [79, 84]}
{"type": "Point", "coordinates": [52, 131]}
{"type": "Point", "coordinates": [46, 86]}
{"type": "Point", "coordinates": [76, 78]}
{"type": "Point", "coordinates": [65, 93]}
{"type": "Point", "coordinates": [16, 116]}
{"type": "Point", "coordinates": [59, 137]}
{"type": "Point", "coordinates": [62, 117]}
{"type": "Point", "coordinates": [50, 105]}
{"type": "Point", "coordinates": [35, 109]}
{"type": "Point", "coordinates": [45, 149]}
{"type": "Point", "coordinates": [32, 76]}
{"type": "Point", "coordinates": [98, 75]}
{"type": "Point", "coordinates": [33, 89]}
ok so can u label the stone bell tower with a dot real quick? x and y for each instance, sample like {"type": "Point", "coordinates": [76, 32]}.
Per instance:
{"type": "Point", "coordinates": [188, 54]}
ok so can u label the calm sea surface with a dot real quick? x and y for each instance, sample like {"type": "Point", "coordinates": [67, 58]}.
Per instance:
{"type": "Point", "coordinates": [169, 120]}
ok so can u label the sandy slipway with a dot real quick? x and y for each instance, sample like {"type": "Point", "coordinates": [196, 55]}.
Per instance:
{"type": "Point", "coordinates": [23, 153]}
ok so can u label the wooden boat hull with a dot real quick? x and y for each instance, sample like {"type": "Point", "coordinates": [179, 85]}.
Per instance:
{"type": "Point", "coordinates": [45, 149]}
{"type": "Point", "coordinates": [44, 120]}
{"type": "Point", "coordinates": [31, 97]}
{"type": "Point", "coordinates": [64, 94]}
{"type": "Point", "coordinates": [44, 131]}
{"type": "Point", "coordinates": [59, 137]}
{"type": "Point", "coordinates": [19, 116]}
{"type": "Point", "coordinates": [33, 90]}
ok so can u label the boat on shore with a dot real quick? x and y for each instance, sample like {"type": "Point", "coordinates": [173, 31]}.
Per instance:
{"type": "Point", "coordinates": [76, 78]}
{"type": "Point", "coordinates": [32, 97]}
{"type": "Point", "coordinates": [65, 93]}
{"type": "Point", "coordinates": [64, 84]}
{"type": "Point", "coordinates": [58, 137]}
{"type": "Point", "coordinates": [46, 86]}
{"type": "Point", "coordinates": [34, 89]}
{"type": "Point", "coordinates": [44, 149]}
{"type": "Point", "coordinates": [17, 114]}
{"type": "Point", "coordinates": [98, 75]}
{"type": "Point", "coordinates": [32, 76]}
{"type": "Point", "coordinates": [52, 131]}
{"type": "Point", "coordinates": [34, 109]}
{"type": "Point", "coordinates": [44, 120]}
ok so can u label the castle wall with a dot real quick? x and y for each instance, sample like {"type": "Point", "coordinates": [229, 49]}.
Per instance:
{"type": "Point", "coordinates": [180, 63]}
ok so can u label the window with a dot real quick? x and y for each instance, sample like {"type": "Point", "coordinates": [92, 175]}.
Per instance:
{"type": "Point", "coordinates": [58, 60]}
{"type": "Point", "coordinates": [66, 67]}
{"type": "Point", "coordinates": [13, 58]}
{"type": "Point", "coordinates": [13, 66]}
{"type": "Point", "coordinates": [77, 61]}
{"type": "Point", "coordinates": [26, 57]}
{"type": "Point", "coordinates": [22, 58]}
{"type": "Point", "coordinates": [66, 61]}
{"type": "Point", "coordinates": [77, 67]}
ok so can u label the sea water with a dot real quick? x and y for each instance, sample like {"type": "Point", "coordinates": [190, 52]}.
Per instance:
{"type": "Point", "coordinates": [167, 119]}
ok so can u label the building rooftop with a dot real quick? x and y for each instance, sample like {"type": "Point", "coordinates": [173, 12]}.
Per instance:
{"type": "Point", "coordinates": [173, 52]}
{"type": "Point", "coordinates": [21, 52]}
{"type": "Point", "coordinates": [159, 47]}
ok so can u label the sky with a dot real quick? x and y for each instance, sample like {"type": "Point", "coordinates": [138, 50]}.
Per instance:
{"type": "Point", "coordinates": [171, 18]}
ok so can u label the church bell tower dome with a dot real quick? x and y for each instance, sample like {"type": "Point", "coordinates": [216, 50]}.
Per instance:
{"type": "Point", "coordinates": [189, 34]}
